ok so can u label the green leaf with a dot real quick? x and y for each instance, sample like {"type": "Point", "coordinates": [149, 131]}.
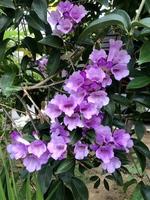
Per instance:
{"type": "Point", "coordinates": [145, 190]}
{"type": "Point", "coordinates": [145, 22]}
{"type": "Point", "coordinates": [97, 183]}
{"type": "Point", "coordinates": [139, 82]}
{"type": "Point", "coordinates": [52, 41]}
{"type": "Point", "coordinates": [44, 177]}
{"type": "Point", "coordinates": [137, 193]}
{"type": "Point", "coordinates": [128, 184]}
{"type": "Point", "coordinates": [5, 21]}
{"type": "Point", "coordinates": [93, 178]}
{"type": "Point", "coordinates": [28, 189]}
{"type": "Point", "coordinates": [141, 159]}
{"type": "Point", "coordinates": [118, 178]}
{"type": "Point", "coordinates": [106, 185]}
{"type": "Point", "coordinates": [53, 62]}
{"type": "Point", "coordinates": [144, 53]}
{"type": "Point", "coordinates": [7, 4]}
{"type": "Point", "coordinates": [142, 99]}
{"type": "Point", "coordinates": [79, 189]}
{"type": "Point", "coordinates": [40, 8]}
{"type": "Point", "coordinates": [103, 23]}
{"type": "Point", "coordinates": [147, 5]}
{"type": "Point", "coordinates": [3, 45]}
{"type": "Point", "coordinates": [2, 193]}
{"type": "Point", "coordinates": [34, 21]}
{"type": "Point", "coordinates": [65, 166]}
{"type": "Point", "coordinates": [142, 148]}
{"type": "Point", "coordinates": [139, 129]}
{"type": "Point", "coordinates": [55, 190]}
{"type": "Point", "coordinates": [121, 99]}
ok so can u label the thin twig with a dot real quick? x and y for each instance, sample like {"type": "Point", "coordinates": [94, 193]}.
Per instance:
{"type": "Point", "coordinates": [9, 107]}
{"type": "Point", "coordinates": [139, 10]}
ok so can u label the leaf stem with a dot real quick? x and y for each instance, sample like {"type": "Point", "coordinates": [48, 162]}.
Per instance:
{"type": "Point", "coordinates": [139, 10]}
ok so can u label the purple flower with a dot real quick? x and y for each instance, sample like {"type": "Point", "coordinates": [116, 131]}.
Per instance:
{"type": "Point", "coordinates": [77, 13]}
{"type": "Point", "coordinates": [17, 150]}
{"type": "Point", "coordinates": [105, 153]}
{"type": "Point", "coordinates": [96, 55]}
{"type": "Point", "coordinates": [103, 135]}
{"type": "Point", "coordinates": [64, 26]}
{"type": "Point", "coordinates": [68, 105]}
{"type": "Point", "coordinates": [81, 150]}
{"type": "Point", "coordinates": [57, 147]}
{"type": "Point", "coordinates": [32, 163]}
{"type": "Point", "coordinates": [16, 138]}
{"type": "Point", "coordinates": [53, 18]}
{"type": "Point", "coordinates": [120, 71]}
{"type": "Point", "coordinates": [52, 111]}
{"type": "Point", "coordinates": [99, 98]}
{"type": "Point", "coordinates": [44, 157]}
{"type": "Point", "coordinates": [79, 95]}
{"type": "Point", "coordinates": [94, 122]}
{"type": "Point", "coordinates": [88, 109]}
{"type": "Point", "coordinates": [122, 139]}
{"type": "Point", "coordinates": [95, 74]}
{"type": "Point", "coordinates": [73, 122]}
{"type": "Point", "coordinates": [114, 49]}
{"type": "Point", "coordinates": [64, 7]}
{"type": "Point", "coordinates": [74, 82]}
{"type": "Point", "coordinates": [37, 148]}
{"type": "Point", "coordinates": [112, 165]}
{"type": "Point", "coordinates": [106, 81]}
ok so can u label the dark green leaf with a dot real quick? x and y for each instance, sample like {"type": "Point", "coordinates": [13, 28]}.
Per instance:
{"type": "Point", "coordinates": [34, 21]}
{"type": "Point", "coordinates": [139, 129]}
{"type": "Point", "coordinates": [121, 99]}
{"type": "Point", "coordinates": [53, 62]}
{"type": "Point", "coordinates": [128, 184]}
{"type": "Point", "coordinates": [44, 177]}
{"type": "Point", "coordinates": [106, 185]}
{"type": "Point", "coordinates": [139, 82]}
{"type": "Point", "coordinates": [142, 148]}
{"type": "Point", "coordinates": [97, 183]}
{"type": "Point", "coordinates": [142, 99]}
{"type": "Point", "coordinates": [141, 159]}
{"type": "Point", "coordinates": [93, 178]}
{"type": "Point", "coordinates": [145, 22]}
{"type": "Point", "coordinates": [65, 166]}
{"type": "Point", "coordinates": [145, 190]}
{"type": "Point", "coordinates": [144, 52]}
{"type": "Point", "coordinates": [7, 4]}
{"type": "Point", "coordinates": [54, 190]}
{"type": "Point", "coordinates": [5, 21]}
{"type": "Point", "coordinates": [118, 177]}
{"type": "Point", "coordinates": [136, 195]}
{"type": "Point", "coordinates": [102, 23]}
{"type": "Point", "coordinates": [79, 189]}
{"type": "Point", "coordinates": [40, 7]}
{"type": "Point", "coordinates": [52, 41]}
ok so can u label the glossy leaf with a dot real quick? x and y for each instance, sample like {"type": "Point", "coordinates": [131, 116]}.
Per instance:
{"type": "Point", "coordinates": [65, 166]}
{"type": "Point", "coordinates": [79, 189]}
{"type": "Point", "coordinates": [145, 22]}
{"type": "Point", "coordinates": [145, 190]}
{"type": "Point", "coordinates": [102, 23]}
{"type": "Point", "coordinates": [144, 53]}
{"type": "Point", "coordinates": [139, 82]}
{"type": "Point", "coordinates": [53, 62]}
{"type": "Point", "coordinates": [52, 41]}
{"type": "Point", "coordinates": [139, 129]}
{"type": "Point", "coordinates": [40, 7]}
{"type": "Point", "coordinates": [7, 4]}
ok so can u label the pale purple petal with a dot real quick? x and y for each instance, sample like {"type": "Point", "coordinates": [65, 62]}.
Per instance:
{"type": "Point", "coordinates": [112, 165]}
{"type": "Point", "coordinates": [52, 111]}
{"type": "Point", "coordinates": [73, 122]}
{"type": "Point", "coordinates": [81, 150]}
{"type": "Point", "coordinates": [96, 55]}
{"type": "Point", "coordinates": [99, 98]}
{"type": "Point", "coordinates": [37, 148]}
{"type": "Point", "coordinates": [77, 13]}
{"type": "Point", "coordinates": [32, 163]}
{"type": "Point", "coordinates": [105, 153]}
{"type": "Point", "coordinates": [64, 7]}
{"type": "Point", "coordinates": [95, 74]}
{"type": "Point", "coordinates": [17, 151]}
{"type": "Point", "coordinates": [114, 49]}
{"type": "Point", "coordinates": [88, 109]}
{"type": "Point", "coordinates": [120, 71]}
{"type": "Point", "coordinates": [65, 26]}
{"type": "Point", "coordinates": [74, 82]}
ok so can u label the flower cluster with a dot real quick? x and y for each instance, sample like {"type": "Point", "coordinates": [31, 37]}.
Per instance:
{"type": "Point", "coordinates": [65, 18]}
{"type": "Point", "coordinates": [81, 108]}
